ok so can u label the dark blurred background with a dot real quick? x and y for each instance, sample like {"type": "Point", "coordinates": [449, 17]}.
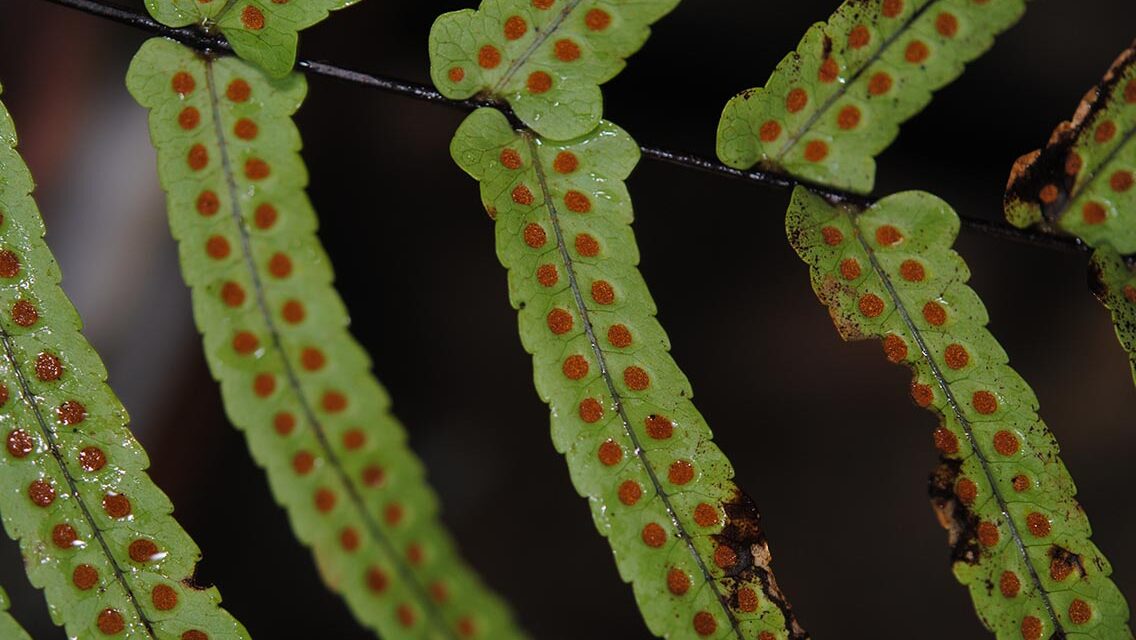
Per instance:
{"type": "Point", "coordinates": [822, 433]}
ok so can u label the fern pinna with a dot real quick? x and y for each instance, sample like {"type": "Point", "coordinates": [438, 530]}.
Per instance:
{"type": "Point", "coordinates": [660, 490]}
{"type": "Point", "coordinates": [275, 336]}
{"type": "Point", "coordinates": [1113, 279]}
{"type": "Point", "coordinates": [836, 102]}
{"type": "Point", "coordinates": [1020, 540]}
{"type": "Point", "coordinates": [264, 32]}
{"type": "Point", "coordinates": [1082, 183]}
{"type": "Point", "coordinates": [544, 58]}
{"type": "Point", "coordinates": [9, 628]}
{"type": "Point", "coordinates": [96, 533]}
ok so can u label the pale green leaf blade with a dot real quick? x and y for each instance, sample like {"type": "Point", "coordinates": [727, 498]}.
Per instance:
{"type": "Point", "coordinates": [96, 533]}
{"type": "Point", "coordinates": [545, 58]}
{"type": "Point", "coordinates": [275, 333]}
{"type": "Point", "coordinates": [1083, 180]}
{"type": "Point", "coordinates": [1020, 542]}
{"type": "Point", "coordinates": [10, 629]}
{"type": "Point", "coordinates": [1114, 282]}
{"type": "Point", "coordinates": [836, 102]}
{"type": "Point", "coordinates": [264, 32]}
{"type": "Point", "coordinates": [660, 490]}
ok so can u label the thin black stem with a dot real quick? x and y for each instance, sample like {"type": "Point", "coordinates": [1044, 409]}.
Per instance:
{"type": "Point", "coordinates": [209, 43]}
{"type": "Point", "coordinates": [187, 36]}
{"type": "Point", "coordinates": [1068, 244]}
{"type": "Point", "coordinates": [391, 85]}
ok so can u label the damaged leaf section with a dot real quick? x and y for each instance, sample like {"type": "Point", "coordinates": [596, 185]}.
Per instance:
{"type": "Point", "coordinates": [1083, 180]}
{"type": "Point", "coordinates": [1084, 183]}
{"type": "Point", "coordinates": [1020, 542]}
{"type": "Point", "coordinates": [1113, 279]}
{"type": "Point", "coordinates": [545, 58]}
{"type": "Point", "coordinates": [275, 336]}
{"type": "Point", "coordinates": [95, 531]}
{"type": "Point", "coordinates": [836, 102]}
{"type": "Point", "coordinates": [661, 492]}
{"type": "Point", "coordinates": [264, 32]}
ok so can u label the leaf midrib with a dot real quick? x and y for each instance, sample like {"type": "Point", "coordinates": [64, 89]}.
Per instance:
{"type": "Point", "coordinates": [847, 85]}
{"type": "Point", "coordinates": [53, 447]}
{"type": "Point", "coordinates": [1111, 82]}
{"type": "Point", "coordinates": [617, 400]}
{"type": "Point", "coordinates": [963, 421]}
{"type": "Point", "coordinates": [541, 38]}
{"type": "Point", "coordinates": [1099, 170]}
{"type": "Point", "coordinates": [220, 14]}
{"type": "Point", "coordinates": [435, 617]}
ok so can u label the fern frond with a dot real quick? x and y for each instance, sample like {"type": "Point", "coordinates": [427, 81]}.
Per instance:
{"type": "Point", "coordinates": [275, 334]}
{"type": "Point", "coordinates": [1113, 279]}
{"type": "Point", "coordinates": [1083, 183]}
{"type": "Point", "coordinates": [1083, 180]}
{"type": "Point", "coordinates": [837, 101]}
{"type": "Point", "coordinates": [10, 629]}
{"type": "Point", "coordinates": [546, 58]}
{"type": "Point", "coordinates": [96, 533]}
{"type": "Point", "coordinates": [264, 32]}
{"type": "Point", "coordinates": [1020, 540]}
{"type": "Point", "coordinates": [660, 490]}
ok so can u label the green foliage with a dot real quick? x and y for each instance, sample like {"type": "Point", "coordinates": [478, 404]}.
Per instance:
{"type": "Point", "coordinates": [1082, 181]}
{"type": "Point", "coordinates": [276, 338]}
{"type": "Point", "coordinates": [9, 628]}
{"type": "Point", "coordinates": [545, 58]}
{"type": "Point", "coordinates": [1020, 540]}
{"type": "Point", "coordinates": [1114, 283]}
{"type": "Point", "coordinates": [96, 533]}
{"type": "Point", "coordinates": [264, 32]}
{"type": "Point", "coordinates": [836, 102]}
{"type": "Point", "coordinates": [660, 490]}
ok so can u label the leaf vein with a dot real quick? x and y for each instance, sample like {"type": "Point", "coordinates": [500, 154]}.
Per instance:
{"type": "Point", "coordinates": [967, 428]}
{"type": "Point", "coordinates": [436, 619]}
{"type": "Point", "coordinates": [589, 330]}
{"type": "Point", "coordinates": [53, 446]}
{"type": "Point", "coordinates": [876, 55]}
{"type": "Point", "coordinates": [541, 38]}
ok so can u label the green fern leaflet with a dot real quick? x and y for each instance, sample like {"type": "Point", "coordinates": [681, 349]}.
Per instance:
{"type": "Point", "coordinates": [1114, 283]}
{"type": "Point", "coordinates": [836, 102]}
{"type": "Point", "coordinates": [264, 32]}
{"type": "Point", "coordinates": [660, 490]}
{"type": "Point", "coordinates": [96, 533]}
{"type": "Point", "coordinates": [546, 58]}
{"type": "Point", "coordinates": [9, 628]}
{"type": "Point", "coordinates": [1083, 180]}
{"type": "Point", "coordinates": [275, 334]}
{"type": "Point", "coordinates": [1020, 540]}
